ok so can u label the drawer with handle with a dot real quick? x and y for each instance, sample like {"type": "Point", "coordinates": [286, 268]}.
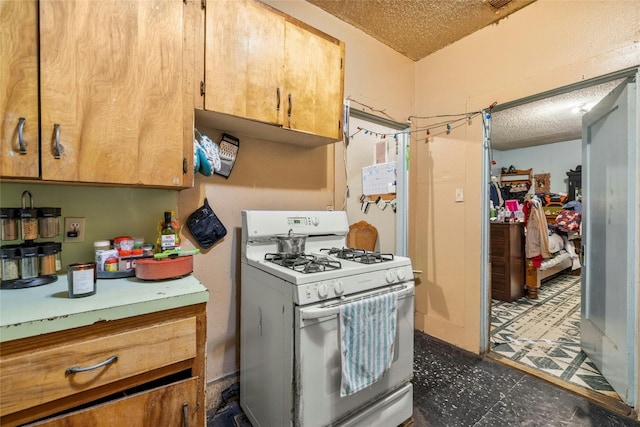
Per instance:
{"type": "Point", "coordinates": [32, 378]}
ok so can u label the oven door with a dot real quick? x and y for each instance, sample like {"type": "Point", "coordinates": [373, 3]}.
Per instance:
{"type": "Point", "coordinates": [317, 400]}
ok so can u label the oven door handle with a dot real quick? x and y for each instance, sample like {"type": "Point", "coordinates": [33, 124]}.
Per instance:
{"type": "Point", "coordinates": [334, 309]}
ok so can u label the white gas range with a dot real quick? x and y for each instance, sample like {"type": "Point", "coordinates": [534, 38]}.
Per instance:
{"type": "Point", "coordinates": [290, 337]}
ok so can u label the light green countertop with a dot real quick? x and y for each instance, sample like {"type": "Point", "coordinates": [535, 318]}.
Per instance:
{"type": "Point", "coordinates": [44, 309]}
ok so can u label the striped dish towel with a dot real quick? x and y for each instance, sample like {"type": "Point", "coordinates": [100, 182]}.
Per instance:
{"type": "Point", "coordinates": [367, 337]}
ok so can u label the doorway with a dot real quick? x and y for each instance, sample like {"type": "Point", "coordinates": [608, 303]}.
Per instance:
{"type": "Point", "coordinates": [535, 350]}
{"type": "Point", "coordinates": [375, 142]}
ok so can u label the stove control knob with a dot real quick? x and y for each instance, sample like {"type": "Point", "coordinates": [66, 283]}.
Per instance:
{"type": "Point", "coordinates": [401, 275]}
{"type": "Point", "coordinates": [338, 287]}
{"type": "Point", "coordinates": [314, 220]}
{"type": "Point", "coordinates": [391, 276]}
{"type": "Point", "coordinates": [323, 291]}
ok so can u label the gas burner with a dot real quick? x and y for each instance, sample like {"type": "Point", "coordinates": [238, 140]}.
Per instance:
{"type": "Point", "coordinates": [359, 255]}
{"type": "Point", "coordinates": [303, 263]}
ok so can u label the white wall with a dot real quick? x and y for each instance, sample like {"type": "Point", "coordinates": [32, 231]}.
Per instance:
{"type": "Point", "coordinates": [544, 46]}
{"type": "Point", "coordinates": [556, 159]}
{"type": "Point", "coordinates": [359, 154]}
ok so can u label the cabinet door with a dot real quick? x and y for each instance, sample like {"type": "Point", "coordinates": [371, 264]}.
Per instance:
{"type": "Point", "coordinates": [112, 91]}
{"type": "Point", "coordinates": [171, 405]}
{"type": "Point", "coordinates": [19, 88]}
{"type": "Point", "coordinates": [314, 78]}
{"type": "Point", "coordinates": [244, 59]}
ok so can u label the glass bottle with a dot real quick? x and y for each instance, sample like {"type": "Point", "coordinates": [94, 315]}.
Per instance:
{"type": "Point", "coordinates": [167, 234]}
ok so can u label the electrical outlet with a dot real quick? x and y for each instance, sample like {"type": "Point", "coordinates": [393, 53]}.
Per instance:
{"type": "Point", "coordinates": [74, 230]}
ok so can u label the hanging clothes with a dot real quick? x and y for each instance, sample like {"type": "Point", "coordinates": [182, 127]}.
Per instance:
{"type": "Point", "coordinates": [537, 240]}
{"type": "Point", "coordinates": [495, 193]}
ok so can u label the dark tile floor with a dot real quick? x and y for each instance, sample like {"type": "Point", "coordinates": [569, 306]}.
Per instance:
{"type": "Point", "coordinates": [453, 387]}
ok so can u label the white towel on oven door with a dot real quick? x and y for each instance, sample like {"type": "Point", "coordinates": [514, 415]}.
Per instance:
{"type": "Point", "coordinates": [367, 337]}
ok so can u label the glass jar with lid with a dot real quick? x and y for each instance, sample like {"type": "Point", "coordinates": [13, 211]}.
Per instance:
{"type": "Point", "coordinates": [9, 219]}
{"type": "Point", "coordinates": [9, 263]}
{"type": "Point", "coordinates": [29, 262]}
{"type": "Point", "coordinates": [49, 222]}
{"type": "Point", "coordinates": [28, 223]}
{"type": "Point", "coordinates": [49, 258]}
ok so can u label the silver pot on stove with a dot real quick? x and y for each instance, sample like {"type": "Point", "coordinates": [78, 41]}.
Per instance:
{"type": "Point", "coordinates": [291, 244]}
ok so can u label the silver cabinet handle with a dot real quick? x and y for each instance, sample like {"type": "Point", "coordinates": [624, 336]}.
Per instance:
{"type": "Point", "coordinates": [290, 106]}
{"type": "Point", "coordinates": [278, 99]}
{"type": "Point", "coordinates": [185, 414]}
{"type": "Point", "coordinates": [23, 146]}
{"type": "Point", "coordinates": [77, 369]}
{"type": "Point", "coordinates": [57, 147]}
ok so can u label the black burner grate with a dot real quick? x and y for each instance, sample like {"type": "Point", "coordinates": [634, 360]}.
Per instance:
{"type": "Point", "coordinates": [358, 255]}
{"type": "Point", "coordinates": [303, 263]}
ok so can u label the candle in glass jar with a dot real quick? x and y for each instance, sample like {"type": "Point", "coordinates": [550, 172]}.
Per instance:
{"type": "Point", "coordinates": [82, 279]}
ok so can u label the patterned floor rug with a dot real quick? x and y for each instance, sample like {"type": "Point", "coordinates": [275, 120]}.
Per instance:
{"type": "Point", "coordinates": [545, 334]}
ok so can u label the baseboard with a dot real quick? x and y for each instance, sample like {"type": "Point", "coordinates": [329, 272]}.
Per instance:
{"type": "Point", "coordinates": [215, 389]}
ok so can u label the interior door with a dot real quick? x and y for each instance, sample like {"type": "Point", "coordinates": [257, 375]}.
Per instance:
{"type": "Point", "coordinates": [609, 334]}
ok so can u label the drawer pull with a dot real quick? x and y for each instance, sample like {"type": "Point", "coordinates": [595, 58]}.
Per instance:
{"type": "Point", "coordinates": [77, 369]}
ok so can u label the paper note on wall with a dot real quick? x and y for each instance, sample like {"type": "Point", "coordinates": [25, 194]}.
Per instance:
{"type": "Point", "coordinates": [379, 179]}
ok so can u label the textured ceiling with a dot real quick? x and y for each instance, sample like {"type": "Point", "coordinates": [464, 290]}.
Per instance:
{"type": "Point", "coordinates": [553, 119]}
{"type": "Point", "coordinates": [417, 28]}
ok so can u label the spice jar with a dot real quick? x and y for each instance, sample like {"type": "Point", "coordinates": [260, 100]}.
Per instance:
{"type": "Point", "coordinates": [28, 218]}
{"type": "Point", "coordinates": [82, 278]}
{"type": "Point", "coordinates": [29, 223]}
{"type": "Point", "coordinates": [47, 258]}
{"type": "Point", "coordinates": [111, 264]}
{"type": "Point", "coordinates": [101, 245]}
{"type": "Point", "coordinates": [9, 263]}
{"type": "Point", "coordinates": [28, 262]}
{"type": "Point", "coordinates": [9, 219]}
{"type": "Point", "coordinates": [122, 243]}
{"type": "Point", "coordinates": [49, 222]}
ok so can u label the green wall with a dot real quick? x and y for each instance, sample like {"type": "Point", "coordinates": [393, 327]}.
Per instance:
{"type": "Point", "coordinates": [109, 211]}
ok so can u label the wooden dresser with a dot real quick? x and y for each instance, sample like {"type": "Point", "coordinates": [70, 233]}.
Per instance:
{"type": "Point", "coordinates": [507, 261]}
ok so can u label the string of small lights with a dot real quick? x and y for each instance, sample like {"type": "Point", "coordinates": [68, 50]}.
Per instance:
{"type": "Point", "coordinates": [443, 127]}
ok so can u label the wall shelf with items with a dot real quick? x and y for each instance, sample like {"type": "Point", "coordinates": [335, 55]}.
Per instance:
{"type": "Point", "coordinates": [519, 177]}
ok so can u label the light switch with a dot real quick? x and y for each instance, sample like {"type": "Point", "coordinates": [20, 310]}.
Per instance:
{"type": "Point", "coordinates": [459, 195]}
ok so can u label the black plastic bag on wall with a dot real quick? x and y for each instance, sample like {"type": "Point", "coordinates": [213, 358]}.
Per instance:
{"type": "Point", "coordinates": [205, 226]}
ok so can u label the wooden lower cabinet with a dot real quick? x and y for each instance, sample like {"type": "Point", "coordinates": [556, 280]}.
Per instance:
{"type": "Point", "coordinates": [507, 261]}
{"type": "Point", "coordinates": [140, 371]}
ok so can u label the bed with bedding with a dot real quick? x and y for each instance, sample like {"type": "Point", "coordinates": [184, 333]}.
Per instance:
{"type": "Point", "coordinates": [548, 248]}
{"type": "Point", "coordinates": [548, 267]}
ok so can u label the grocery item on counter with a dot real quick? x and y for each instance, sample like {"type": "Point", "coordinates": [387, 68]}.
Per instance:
{"type": "Point", "coordinates": [103, 255]}
{"type": "Point", "coordinates": [162, 225]}
{"type": "Point", "coordinates": [167, 234]}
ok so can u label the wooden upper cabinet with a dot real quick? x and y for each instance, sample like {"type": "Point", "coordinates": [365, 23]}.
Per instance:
{"type": "Point", "coordinates": [264, 67]}
{"type": "Point", "coordinates": [19, 89]}
{"type": "Point", "coordinates": [244, 60]}
{"type": "Point", "coordinates": [113, 104]}
{"type": "Point", "coordinates": [313, 82]}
